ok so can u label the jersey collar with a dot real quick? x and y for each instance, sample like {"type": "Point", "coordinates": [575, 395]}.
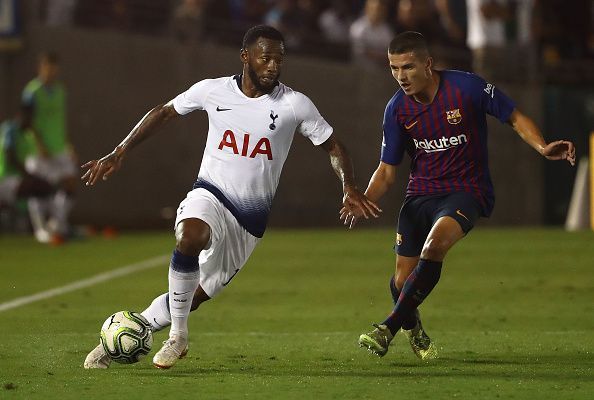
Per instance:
{"type": "Point", "coordinates": [238, 78]}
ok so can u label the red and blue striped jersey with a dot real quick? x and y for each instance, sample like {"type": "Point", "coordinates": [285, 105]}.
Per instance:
{"type": "Point", "coordinates": [447, 139]}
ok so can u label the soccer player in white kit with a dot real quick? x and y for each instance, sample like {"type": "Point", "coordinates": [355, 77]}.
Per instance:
{"type": "Point", "coordinates": [252, 119]}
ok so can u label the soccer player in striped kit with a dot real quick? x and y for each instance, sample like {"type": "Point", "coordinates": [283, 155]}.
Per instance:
{"type": "Point", "coordinates": [439, 118]}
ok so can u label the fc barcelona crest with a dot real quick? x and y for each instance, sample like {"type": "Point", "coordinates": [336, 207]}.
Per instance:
{"type": "Point", "coordinates": [454, 116]}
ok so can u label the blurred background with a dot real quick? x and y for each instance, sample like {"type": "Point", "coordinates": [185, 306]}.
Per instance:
{"type": "Point", "coordinates": [119, 58]}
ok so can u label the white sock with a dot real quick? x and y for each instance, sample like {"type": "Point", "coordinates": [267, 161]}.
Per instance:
{"type": "Point", "coordinates": [61, 206]}
{"type": "Point", "coordinates": [182, 286]}
{"type": "Point", "coordinates": [37, 209]}
{"type": "Point", "coordinates": [158, 313]}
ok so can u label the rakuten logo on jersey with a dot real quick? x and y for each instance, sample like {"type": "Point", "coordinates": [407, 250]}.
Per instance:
{"type": "Point", "coordinates": [261, 147]}
{"type": "Point", "coordinates": [443, 144]}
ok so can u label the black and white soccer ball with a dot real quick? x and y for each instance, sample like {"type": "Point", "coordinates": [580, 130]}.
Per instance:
{"type": "Point", "coordinates": [126, 337]}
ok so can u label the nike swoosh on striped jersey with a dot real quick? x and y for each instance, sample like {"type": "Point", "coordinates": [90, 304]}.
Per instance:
{"type": "Point", "coordinates": [408, 127]}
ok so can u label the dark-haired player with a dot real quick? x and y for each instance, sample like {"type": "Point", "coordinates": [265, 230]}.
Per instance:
{"type": "Point", "coordinates": [439, 118]}
{"type": "Point", "coordinates": [252, 120]}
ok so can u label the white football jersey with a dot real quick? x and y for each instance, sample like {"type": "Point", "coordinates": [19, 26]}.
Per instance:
{"type": "Point", "coordinates": [248, 142]}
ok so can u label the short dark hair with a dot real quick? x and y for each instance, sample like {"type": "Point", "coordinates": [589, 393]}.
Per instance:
{"type": "Point", "coordinates": [409, 41]}
{"type": "Point", "coordinates": [261, 31]}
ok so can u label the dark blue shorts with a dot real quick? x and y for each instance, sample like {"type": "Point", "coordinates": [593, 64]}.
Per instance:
{"type": "Point", "coordinates": [419, 213]}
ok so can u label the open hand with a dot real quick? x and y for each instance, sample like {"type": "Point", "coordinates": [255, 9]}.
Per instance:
{"type": "Point", "coordinates": [102, 168]}
{"type": "Point", "coordinates": [357, 205]}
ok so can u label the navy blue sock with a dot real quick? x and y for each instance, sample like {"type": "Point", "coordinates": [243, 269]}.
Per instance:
{"type": "Point", "coordinates": [410, 321]}
{"type": "Point", "coordinates": [182, 263]}
{"type": "Point", "coordinates": [394, 290]}
{"type": "Point", "coordinates": [416, 288]}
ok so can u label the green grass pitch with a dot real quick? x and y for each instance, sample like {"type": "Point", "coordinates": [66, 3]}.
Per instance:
{"type": "Point", "coordinates": [513, 317]}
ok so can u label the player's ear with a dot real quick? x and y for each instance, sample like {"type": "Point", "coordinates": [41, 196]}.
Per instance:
{"type": "Point", "coordinates": [429, 65]}
{"type": "Point", "coordinates": [243, 56]}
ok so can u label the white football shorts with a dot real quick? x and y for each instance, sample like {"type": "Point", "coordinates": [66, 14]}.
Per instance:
{"type": "Point", "coordinates": [230, 244]}
{"type": "Point", "coordinates": [8, 189]}
{"type": "Point", "coordinates": [52, 169]}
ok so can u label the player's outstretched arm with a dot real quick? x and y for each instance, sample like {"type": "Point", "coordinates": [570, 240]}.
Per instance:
{"type": "Point", "coordinates": [146, 127]}
{"type": "Point", "coordinates": [381, 180]}
{"type": "Point", "coordinates": [353, 199]}
{"type": "Point", "coordinates": [529, 132]}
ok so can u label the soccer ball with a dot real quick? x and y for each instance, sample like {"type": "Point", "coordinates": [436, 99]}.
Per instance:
{"type": "Point", "coordinates": [126, 337]}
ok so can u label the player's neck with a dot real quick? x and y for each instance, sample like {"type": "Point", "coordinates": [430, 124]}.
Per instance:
{"type": "Point", "coordinates": [249, 89]}
{"type": "Point", "coordinates": [426, 96]}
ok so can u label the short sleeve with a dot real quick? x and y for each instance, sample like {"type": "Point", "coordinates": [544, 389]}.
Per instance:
{"type": "Point", "coordinates": [310, 122]}
{"type": "Point", "coordinates": [194, 98]}
{"type": "Point", "coordinates": [492, 100]}
{"type": "Point", "coordinates": [394, 141]}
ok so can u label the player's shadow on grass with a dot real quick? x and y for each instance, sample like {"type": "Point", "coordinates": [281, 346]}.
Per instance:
{"type": "Point", "coordinates": [485, 361]}
{"type": "Point", "coordinates": [444, 367]}
{"type": "Point", "coordinates": [389, 372]}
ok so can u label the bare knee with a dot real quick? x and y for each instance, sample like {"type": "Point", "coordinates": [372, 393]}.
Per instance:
{"type": "Point", "coordinates": [404, 266]}
{"type": "Point", "coordinates": [435, 249]}
{"type": "Point", "coordinates": [192, 236]}
{"type": "Point", "coordinates": [401, 277]}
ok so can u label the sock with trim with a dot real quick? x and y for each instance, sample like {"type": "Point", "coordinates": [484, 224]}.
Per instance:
{"type": "Point", "coordinates": [416, 288]}
{"type": "Point", "coordinates": [184, 278]}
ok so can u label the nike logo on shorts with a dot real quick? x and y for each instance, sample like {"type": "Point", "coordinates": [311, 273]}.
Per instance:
{"type": "Point", "coordinates": [232, 276]}
{"type": "Point", "coordinates": [462, 215]}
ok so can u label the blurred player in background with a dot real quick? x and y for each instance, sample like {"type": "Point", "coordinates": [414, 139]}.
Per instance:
{"type": "Point", "coordinates": [44, 104]}
{"type": "Point", "coordinates": [439, 118]}
{"type": "Point", "coordinates": [16, 144]}
{"type": "Point", "coordinates": [252, 121]}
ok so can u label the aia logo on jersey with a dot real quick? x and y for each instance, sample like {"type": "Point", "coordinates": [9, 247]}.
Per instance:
{"type": "Point", "coordinates": [454, 117]}
{"type": "Point", "coordinates": [261, 147]}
